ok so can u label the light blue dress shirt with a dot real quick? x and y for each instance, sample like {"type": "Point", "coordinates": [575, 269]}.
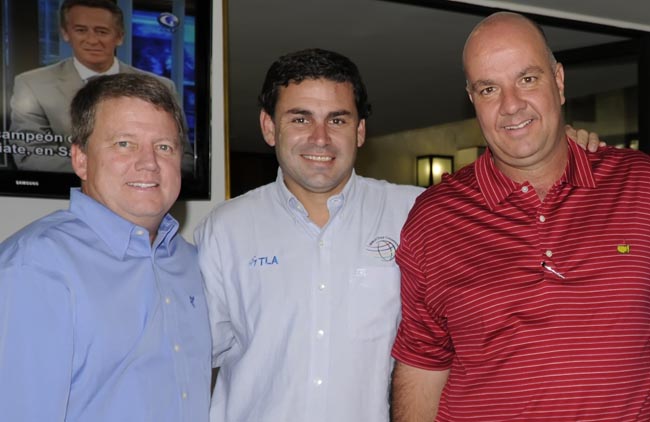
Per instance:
{"type": "Point", "coordinates": [303, 318]}
{"type": "Point", "coordinates": [96, 324]}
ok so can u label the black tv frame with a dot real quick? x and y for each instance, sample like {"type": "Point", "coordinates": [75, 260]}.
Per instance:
{"type": "Point", "coordinates": [20, 48]}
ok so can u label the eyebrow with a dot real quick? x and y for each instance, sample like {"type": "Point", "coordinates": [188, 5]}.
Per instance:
{"type": "Point", "coordinates": [304, 112]}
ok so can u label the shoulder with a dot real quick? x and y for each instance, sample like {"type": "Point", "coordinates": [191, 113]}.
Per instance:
{"type": "Point", "coordinates": [395, 193]}
{"type": "Point", "coordinates": [620, 163]}
{"type": "Point", "coordinates": [39, 241]}
{"type": "Point", "coordinates": [43, 73]}
{"type": "Point", "coordinates": [236, 212]}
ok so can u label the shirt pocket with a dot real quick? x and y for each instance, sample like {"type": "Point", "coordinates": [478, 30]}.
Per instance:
{"type": "Point", "coordinates": [374, 303]}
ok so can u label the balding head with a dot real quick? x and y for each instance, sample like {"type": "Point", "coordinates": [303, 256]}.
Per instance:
{"type": "Point", "coordinates": [499, 26]}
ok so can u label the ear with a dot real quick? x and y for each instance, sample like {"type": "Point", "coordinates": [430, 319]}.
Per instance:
{"type": "Point", "coordinates": [469, 94]}
{"type": "Point", "coordinates": [559, 81]}
{"type": "Point", "coordinates": [64, 35]}
{"type": "Point", "coordinates": [361, 133]}
{"type": "Point", "coordinates": [268, 128]}
{"type": "Point", "coordinates": [121, 40]}
{"type": "Point", "coordinates": [79, 162]}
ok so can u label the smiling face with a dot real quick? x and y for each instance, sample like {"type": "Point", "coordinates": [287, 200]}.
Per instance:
{"type": "Point", "coordinates": [132, 161]}
{"type": "Point", "coordinates": [517, 92]}
{"type": "Point", "coordinates": [316, 132]}
{"type": "Point", "coordinates": [94, 35]}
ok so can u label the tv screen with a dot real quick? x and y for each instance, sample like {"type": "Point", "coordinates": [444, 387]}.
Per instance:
{"type": "Point", "coordinates": [168, 38]}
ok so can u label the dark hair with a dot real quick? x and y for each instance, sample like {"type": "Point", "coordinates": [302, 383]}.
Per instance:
{"type": "Point", "coordinates": [109, 5]}
{"type": "Point", "coordinates": [132, 85]}
{"type": "Point", "coordinates": [312, 64]}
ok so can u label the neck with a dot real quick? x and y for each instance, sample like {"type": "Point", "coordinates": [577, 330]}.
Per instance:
{"type": "Point", "coordinates": [543, 175]}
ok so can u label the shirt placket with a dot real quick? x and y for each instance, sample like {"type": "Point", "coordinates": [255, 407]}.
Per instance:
{"type": "Point", "coordinates": [321, 286]}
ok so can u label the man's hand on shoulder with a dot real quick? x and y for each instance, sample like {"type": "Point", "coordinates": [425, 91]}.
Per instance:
{"type": "Point", "coordinates": [587, 140]}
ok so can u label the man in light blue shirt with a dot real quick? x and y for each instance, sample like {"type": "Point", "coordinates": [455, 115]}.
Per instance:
{"type": "Point", "coordinates": [102, 311]}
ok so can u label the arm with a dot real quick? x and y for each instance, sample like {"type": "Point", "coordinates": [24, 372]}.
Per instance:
{"type": "Point", "coordinates": [415, 393]}
{"type": "Point", "coordinates": [206, 239]}
{"type": "Point", "coordinates": [587, 140]}
{"type": "Point", "coordinates": [36, 352]}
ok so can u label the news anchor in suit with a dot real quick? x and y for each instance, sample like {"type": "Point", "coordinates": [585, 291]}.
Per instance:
{"type": "Point", "coordinates": [41, 98]}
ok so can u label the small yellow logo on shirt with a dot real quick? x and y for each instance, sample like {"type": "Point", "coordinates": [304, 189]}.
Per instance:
{"type": "Point", "coordinates": [623, 248]}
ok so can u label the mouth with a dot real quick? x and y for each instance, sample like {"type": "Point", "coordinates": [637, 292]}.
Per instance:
{"type": "Point", "coordinates": [142, 185]}
{"type": "Point", "coordinates": [319, 158]}
{"type": "Point", "coordinates": [519, 126]}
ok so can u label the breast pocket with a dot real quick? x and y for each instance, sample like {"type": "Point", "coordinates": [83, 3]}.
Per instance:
{"type": "Point", "coordinates": [374, 302]}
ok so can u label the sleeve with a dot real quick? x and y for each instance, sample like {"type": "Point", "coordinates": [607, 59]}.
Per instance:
{"type": "Point", "coordinates": [423, 340]}
{"type": "Point", "coordinates": [36, 345]}
{"type": "Point", "coordinates": [221, 326]}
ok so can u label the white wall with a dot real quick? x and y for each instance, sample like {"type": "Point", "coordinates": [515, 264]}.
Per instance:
{"type": "Point", "coordinates": [17, 212]}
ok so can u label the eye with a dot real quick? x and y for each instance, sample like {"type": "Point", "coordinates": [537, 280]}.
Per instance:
{"type": "Point", "coordinates": [487, 90]}
{"type": "Point", "coordinates": [299, 120]}
{"type": "Point", "coordinates": [166, 148]}
{"type": "Point", "coordinates": [338, 121]}
{"type": "Point", "coordinates": [529, 79]}
{"type": "Point", "coordinates": [122, 144]}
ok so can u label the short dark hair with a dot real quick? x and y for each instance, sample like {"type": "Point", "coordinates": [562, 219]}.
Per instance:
{"type": "Point", "coordinates": [312, 63]}
{"type": "Point", "coordinates": [109, 5]}
{"type": "Point", "coordinates": [83, 108]}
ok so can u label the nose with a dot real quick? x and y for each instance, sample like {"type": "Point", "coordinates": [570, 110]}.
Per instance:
{"type": "Point", "coordinates": [511, 101]}
{"type": "Point", "coordinates": [319, 134]}
{"type": "Point", "coordinates": [146, 159]}
{"type": "Point", "coordinates": [91, 37]}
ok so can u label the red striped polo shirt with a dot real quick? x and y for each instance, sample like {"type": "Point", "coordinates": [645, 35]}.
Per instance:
{"type": "Point", "coordinates": [540, 309]}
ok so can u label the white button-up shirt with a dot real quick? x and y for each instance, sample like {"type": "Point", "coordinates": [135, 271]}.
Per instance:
{"type": "Point", "coordinates": [303, 318]}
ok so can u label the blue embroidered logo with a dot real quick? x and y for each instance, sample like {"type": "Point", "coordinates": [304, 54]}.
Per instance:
{"type": "Point", "coordinates": [383, 247]}
{"type": "Point", "coordinates": [192, 301]}
{"type": "Point", "coordinates": [260, 261]}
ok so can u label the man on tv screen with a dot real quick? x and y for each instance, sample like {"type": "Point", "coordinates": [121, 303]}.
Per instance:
{"type": "Point", "coordinates": [41, 97]}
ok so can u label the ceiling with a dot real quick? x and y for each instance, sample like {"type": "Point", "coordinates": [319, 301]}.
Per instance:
{"type": "Point", "coordinates": [408, 54]}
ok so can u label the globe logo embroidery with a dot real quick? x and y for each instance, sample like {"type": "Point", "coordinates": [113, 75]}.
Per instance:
{"type": "Point", "coordinates": [383, 247]}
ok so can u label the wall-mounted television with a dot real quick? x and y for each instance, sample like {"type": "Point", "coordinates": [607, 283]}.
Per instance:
{"type": "Point", "coordinates": [170, 38]}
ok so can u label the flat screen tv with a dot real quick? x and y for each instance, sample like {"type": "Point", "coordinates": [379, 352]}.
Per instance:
{"type": "Point", "coordinates": [170, 38]}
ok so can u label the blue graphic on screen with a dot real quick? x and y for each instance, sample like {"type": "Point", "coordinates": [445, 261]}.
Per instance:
{"type": "Point", "coordinates": [152, 51]}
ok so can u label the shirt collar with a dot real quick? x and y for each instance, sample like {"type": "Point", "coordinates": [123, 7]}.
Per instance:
{"type": "Point", "coordinates": [85, 73]}
{"type": "Point", "coordinates": [119, 234]}
{"type": "Point", "coordinates": [496, 186]}
{"type": "Point", "coordinates": [334, 202]}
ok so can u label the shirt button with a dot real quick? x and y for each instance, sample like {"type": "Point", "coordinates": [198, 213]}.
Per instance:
{"type": "Point", "coordinates": [139, 232]}
{"type": "Point", "coordinates": [542, 218]}
{"type": "Point", "coordinates": [320, 333]}
{"type": "Point", "coordinates": [548, 253]}
{"type": "Point", "coordinates": [321, 243]}
{"type": "Point", "coordinates": [184, 395]}
{"type": "Point", "coordinates": [321, 286]}
{"type": "Point", "coordinates": [524, 189]}
{"type": "Point", "coordinates": [318, 382]}
{"type": "Point", "coordinates": [168, 300]}
{"type": "Point", "coordinates": [177, 348]}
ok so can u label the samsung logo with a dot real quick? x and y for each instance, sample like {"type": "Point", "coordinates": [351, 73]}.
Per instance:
{"type": "Point", "coordinates": [27, 183]}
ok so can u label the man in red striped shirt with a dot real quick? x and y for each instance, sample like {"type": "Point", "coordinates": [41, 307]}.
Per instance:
{"type": "Point", "coordinates": [526, 277]}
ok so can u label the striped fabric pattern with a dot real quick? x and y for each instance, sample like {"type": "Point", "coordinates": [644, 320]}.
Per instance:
{"type": "Point", "coordinates": [540, 309]}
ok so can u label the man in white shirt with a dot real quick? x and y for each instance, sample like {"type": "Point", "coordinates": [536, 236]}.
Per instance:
{"type": "Point", "coordinates": [300, 274]}
{"type": "Point", "coordinates": [301, 280]}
